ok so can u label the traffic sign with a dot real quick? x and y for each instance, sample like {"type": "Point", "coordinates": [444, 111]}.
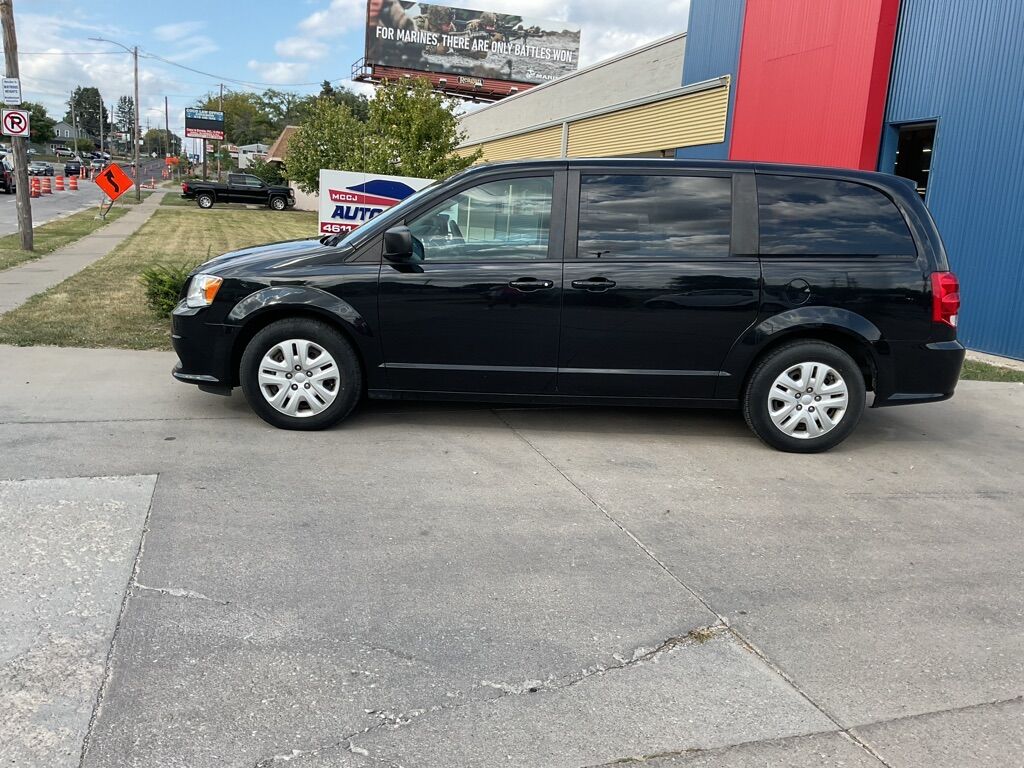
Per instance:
{"type": "Point", "coordinates": [114, 181]}
{"type": "Point", "coordinates": [12, 91]}
{"type": "Point", "coordinates": [15, 122]}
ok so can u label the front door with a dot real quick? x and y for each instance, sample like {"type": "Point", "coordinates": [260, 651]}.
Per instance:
{"type": "Point", "coordinates": [477, 308]}
{"type": "Point", "coordinates": [655, 294]}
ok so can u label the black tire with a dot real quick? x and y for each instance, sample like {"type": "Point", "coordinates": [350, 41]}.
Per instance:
{"type": "Point", "coordinates": [349, 382]}
{"type": "Point", "coordinates": [278, 203]}
{"type": "Point", "coordinates": [204, 200]}
{"type": "Point", "coordinates": [756, 402]}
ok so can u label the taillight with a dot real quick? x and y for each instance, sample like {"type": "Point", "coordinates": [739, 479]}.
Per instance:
{"type": "Point", "coordinates": [184, 187]}
{"type": "Point", "coordinates": [945, 298]}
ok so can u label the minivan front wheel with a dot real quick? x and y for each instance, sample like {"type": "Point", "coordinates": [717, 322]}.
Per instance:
{"type": "Point", "coordinates": [300, 374]}
{"type": "Point", "coordinates": [804, 397]}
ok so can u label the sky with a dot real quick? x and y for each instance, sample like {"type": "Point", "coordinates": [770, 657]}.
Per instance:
{"type": "Point", "coordinates": [255, 44]}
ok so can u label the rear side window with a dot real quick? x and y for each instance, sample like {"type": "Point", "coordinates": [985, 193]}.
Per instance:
{"type": "Point", "coordinates": [826, 217]}
{"type": "Point", "coordinates": [654, 217]}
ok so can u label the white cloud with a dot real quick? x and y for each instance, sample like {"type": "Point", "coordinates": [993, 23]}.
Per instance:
{"type": "Point", "coordinates": [169, 33]}
{"type": "Point", "coordinates": [338, 17]}
{"type": "Point", "coordinates": [280, 71]}
{"type": "Point", "coordinates": [300, 48]}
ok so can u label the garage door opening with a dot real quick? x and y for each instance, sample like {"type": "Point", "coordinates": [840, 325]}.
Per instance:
{"type": "Point", "coordinates": [914, 154]}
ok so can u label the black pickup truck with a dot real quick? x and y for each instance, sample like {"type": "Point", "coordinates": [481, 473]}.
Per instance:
{"type": "Point", "coordinates": [241, 188]}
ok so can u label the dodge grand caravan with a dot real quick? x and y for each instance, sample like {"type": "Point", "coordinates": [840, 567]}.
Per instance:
{"type": "Point", "coordinates": [786, 292]}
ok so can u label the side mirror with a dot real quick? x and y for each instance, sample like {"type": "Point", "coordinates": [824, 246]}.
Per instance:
{"type": "Point", "coordinates": [398, 244]}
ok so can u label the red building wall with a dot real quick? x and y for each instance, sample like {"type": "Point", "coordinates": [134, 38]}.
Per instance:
{"type": "Point", "coordinates": [812, 82]}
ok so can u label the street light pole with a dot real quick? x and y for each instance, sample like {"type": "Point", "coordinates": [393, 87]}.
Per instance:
{"type": "Point", "coordinates": [135, 55]}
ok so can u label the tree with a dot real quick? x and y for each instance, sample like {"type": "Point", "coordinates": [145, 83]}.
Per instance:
{"type": "Point", "coordinates": [89, 110]}
{"type": "Point", "coordinates": [83, 145]}
{"type": "Point", "coordinates": [124, 114]}
{"type": "Point", "coordinates": [331, 137]}
{"type": "Point", "coordinates": [246, 120]}
{"type": "Point", "coordinates": [413, 131]}
{"type": "Point", "coordinates": [42, 124]}
{"type": "Point", "coordinates": [269, 172]}
{"type": "Point", "coordinates": [356, 102]}
{"type": "Point", "coordinates": [156, 140]}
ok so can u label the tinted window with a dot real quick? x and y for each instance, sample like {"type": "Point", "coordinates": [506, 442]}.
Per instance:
{"type": "Point", "coordinates": [496, 221]}
{"type": "Point", "coordinates": [654, 217]}
{"type": "Point", "coordinates": [828, 218]}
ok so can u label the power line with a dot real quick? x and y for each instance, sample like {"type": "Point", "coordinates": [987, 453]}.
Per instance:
{"type": "Point", "coordinates": [69, 53]}
{"type": "Point", "coordinates": [149, 55]}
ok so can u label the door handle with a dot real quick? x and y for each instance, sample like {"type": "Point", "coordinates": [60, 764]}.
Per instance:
{"type": "Point", "coordinates": [594, 284]}
{"type": "Point", "coordinates": [530, 284]}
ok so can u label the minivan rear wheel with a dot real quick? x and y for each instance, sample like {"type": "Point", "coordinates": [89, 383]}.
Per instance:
{"type": "Point", "coordinates": [300, 374]}
{"type": "Point", "coordinates": [804, 397]}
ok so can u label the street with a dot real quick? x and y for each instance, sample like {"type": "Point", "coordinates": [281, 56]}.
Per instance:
{"type": "Point", "coordinates": [468, 585]}
{"type": "Point", "coordinates": [50, 207]}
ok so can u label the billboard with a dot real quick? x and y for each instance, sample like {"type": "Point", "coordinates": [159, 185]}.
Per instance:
{"type": "Point", "coordinates": [204, 124]}
{"type": "Point", "coordinates": [476, 44]}
{"type": "Point", "coordinates": [349, 199]}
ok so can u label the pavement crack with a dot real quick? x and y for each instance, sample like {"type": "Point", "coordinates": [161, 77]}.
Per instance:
{"type": "Point", "coordinates": [109, 661]}
{"type": "Point", "coordinates": [177, 592]}
{"type": "Point", "coordinates": [723, 620]}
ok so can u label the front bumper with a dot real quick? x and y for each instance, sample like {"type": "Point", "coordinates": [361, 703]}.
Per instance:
{"type": "Point", "coordinates": [205, 350]}
{"type": "Point", "coordinates": [912, 372]}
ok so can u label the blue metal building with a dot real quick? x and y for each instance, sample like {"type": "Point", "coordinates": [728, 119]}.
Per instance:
{"type": "Point", "coordinates": [953, 120]}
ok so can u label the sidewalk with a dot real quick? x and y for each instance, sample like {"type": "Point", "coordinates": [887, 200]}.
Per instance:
{"type": "Point", "coordinates": [19, 284]}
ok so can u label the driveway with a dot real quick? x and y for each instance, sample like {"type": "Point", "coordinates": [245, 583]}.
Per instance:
{"type": "Point", "coordinates": [461, 585]}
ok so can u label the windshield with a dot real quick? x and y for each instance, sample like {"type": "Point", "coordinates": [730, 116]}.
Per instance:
{"type": "Point", "coordinates": [384, 220]}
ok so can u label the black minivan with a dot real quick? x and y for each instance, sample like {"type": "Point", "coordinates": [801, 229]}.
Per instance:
{"type": "Point", "coordinates": [785, 291]}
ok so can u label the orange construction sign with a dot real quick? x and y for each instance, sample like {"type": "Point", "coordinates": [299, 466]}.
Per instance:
{"type": "Point", "coordinates": [114, 181]}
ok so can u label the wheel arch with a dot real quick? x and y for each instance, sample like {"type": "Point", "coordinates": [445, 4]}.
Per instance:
{"type": "Point", "coordinates": [257, 311]}
{"type": "Point", "coordinates": [852, 333]}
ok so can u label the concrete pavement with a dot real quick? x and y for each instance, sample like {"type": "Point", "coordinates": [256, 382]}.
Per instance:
{"type": "Point", "coordinates": [19, 284]}
{"type": "Point", "coordinates": [459, 585]}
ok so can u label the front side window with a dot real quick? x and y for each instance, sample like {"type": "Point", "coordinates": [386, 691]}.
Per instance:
{"type": "Point", "coordinates": [496, 221]}
{"type": "Point", "coordinates": [654, 217]}
{"type": "Point", "coordinates": [826, 217]}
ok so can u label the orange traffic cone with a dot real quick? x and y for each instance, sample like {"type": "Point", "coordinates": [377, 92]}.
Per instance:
{"type": "Point", "coordinates": [73, 181]}
{"type": "Point", "coordinates": [34, 186]}
{"type": "Point", "coordinates": [59, 182]}
{"type": "Point", "coordinates": [47, 188]}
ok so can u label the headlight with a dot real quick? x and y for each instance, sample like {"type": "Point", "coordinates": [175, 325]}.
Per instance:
{"type": "Point", "coordinates": [202, 290]}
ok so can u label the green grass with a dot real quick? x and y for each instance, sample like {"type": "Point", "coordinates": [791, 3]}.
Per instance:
{"type": "Point", "coordinates": [53, 235]}
{"type": "Point", "coordinates": [175, 198]}
{"type": "Point", "coordinates": [975, 371]}
{"type": "Point", "coordinates": [104, 305]}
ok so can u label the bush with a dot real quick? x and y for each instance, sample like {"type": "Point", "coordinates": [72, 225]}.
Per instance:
{"type": "Point", "coordinates": [269, 172]}
{"type": "Point", "coordinates": [164, 285]}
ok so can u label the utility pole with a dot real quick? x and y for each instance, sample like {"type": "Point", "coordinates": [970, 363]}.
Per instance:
{"type": "Point", "coordinates": [138, 170]}
{"type": "Point", "coordinates": [220, 144]}
{"type": "Point", "coordinates": [24, 202]}
{"type": "Point", "coordinates": [135, 55]}
{"type": "Point", "coordinates": [74, 124]}
{"type": "Point", "coordinates": [101, 125]}
{"type": "Point", "coordinates": [167, 135]}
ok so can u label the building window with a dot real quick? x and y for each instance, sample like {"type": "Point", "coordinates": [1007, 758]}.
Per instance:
{"type": "Point", "coordinates": [914, 154]}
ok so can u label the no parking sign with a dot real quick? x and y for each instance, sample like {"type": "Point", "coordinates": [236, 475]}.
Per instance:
{"type": "Point", "coordinates": [15, 122]}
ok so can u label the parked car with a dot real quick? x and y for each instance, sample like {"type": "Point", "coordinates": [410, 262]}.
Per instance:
{"type": "Point", "coordinates": [62, 152]}
{"type": "Point", "coordinates": [32, 151]}
{"type": "Point", "coordinates": [785, 292]}
{"type": "Point", "coordinates": [73, 167]}
{"type": "Point", "coordinates": [8, 182]}
{"type": "Point", "coordinates": [39, 168]}
{"type": "Point", "coordinates": [241, 188]}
